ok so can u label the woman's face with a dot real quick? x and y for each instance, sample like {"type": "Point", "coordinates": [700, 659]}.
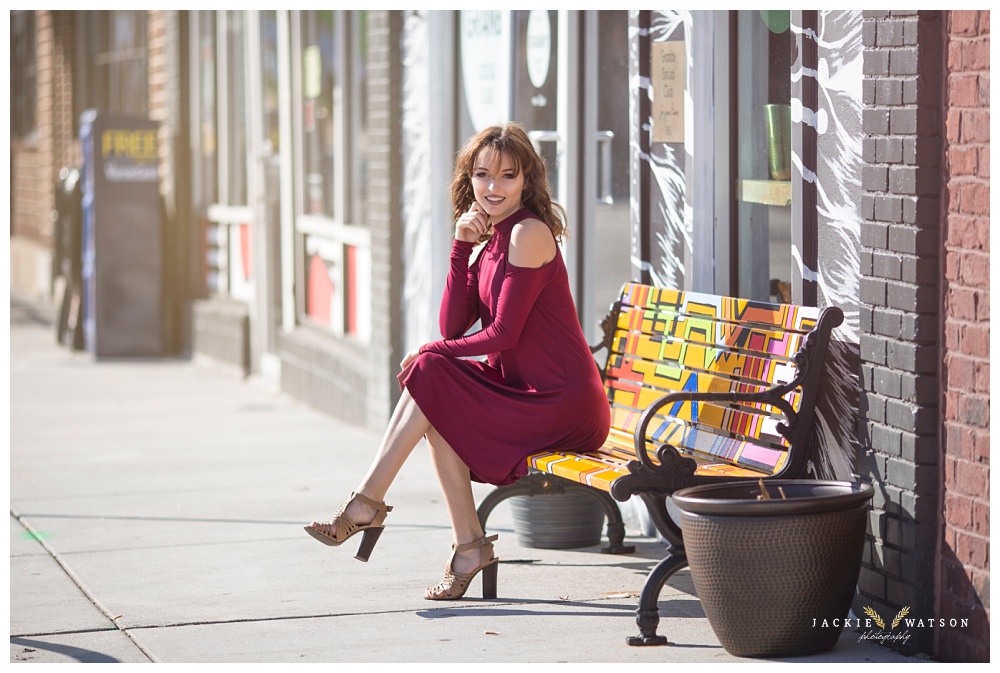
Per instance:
{"type": "Point", "coordinates": [499, 194]}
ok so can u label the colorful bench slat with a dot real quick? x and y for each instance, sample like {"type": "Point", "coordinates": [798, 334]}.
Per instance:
{"type": "Point", "coordinates": [586, 470]}
{"type": "Point", "coordinates": [731, 309]}
{"type": "Point", "coordinates": [719, 415]}
{"type": "Point", "coordinates": [764, 340]}
{"type": "Point", "coordinates": [674, 354]}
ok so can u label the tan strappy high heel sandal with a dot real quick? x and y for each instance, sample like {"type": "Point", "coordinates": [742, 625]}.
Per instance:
{"type": "Point", "coordinates": [340, 527]}
{"type": "Point", "coordinates": [455, 584]}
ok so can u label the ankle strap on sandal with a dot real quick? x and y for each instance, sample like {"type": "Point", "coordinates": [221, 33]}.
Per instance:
{"type": "Point", "coordinates": [374, 504]}
{"type": "Point", "coordinates": [481, 542]}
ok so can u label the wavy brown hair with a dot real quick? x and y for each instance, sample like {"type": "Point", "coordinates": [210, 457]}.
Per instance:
{"type": "Point", "coordinates": [511, 141]}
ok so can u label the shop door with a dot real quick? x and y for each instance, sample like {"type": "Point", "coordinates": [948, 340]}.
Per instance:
{"type": "Point", "coordinates": [264, 186]}
{"type": "Point", "coordinates": [570, 91]}
{"type": "Point", "coordinates": [606, 257]}
{"type": "Point", "coordinates": [535, 78]}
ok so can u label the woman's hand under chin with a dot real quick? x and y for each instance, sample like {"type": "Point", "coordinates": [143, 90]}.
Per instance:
{"type": "Point", "coordinates": [472, 224]}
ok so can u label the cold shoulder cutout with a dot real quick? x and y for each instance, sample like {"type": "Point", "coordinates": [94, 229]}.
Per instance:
{"type": "Point", "coordinates": [532, 244]}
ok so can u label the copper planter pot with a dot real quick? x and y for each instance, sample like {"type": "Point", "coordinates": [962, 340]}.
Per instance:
{"type": "Point", "coordinates": [769, 572]}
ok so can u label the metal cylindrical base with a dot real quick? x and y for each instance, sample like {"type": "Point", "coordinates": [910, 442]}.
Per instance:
{"type": "Point", "coordinates": [567, 520]}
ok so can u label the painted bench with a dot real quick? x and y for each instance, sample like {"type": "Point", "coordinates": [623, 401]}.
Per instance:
{"type": "Point", "coordinates": [703, 389]}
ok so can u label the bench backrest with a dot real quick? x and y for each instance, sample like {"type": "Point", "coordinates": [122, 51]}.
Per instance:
{"type": "Point", "coordinates": [663, 340]}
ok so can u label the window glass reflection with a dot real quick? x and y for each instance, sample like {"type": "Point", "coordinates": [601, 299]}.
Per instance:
{"type": "Point", "coordinates": [763, 189]}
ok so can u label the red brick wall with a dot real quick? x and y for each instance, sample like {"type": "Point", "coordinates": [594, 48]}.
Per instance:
{"type": "Point", "coordinates": [33, 176]}
{"type": "Point", "coordinates": [65, 142]}
{"type": "Point", "coordinates": [963, 554]}
{"type": "Point", "coordinates": [36, 159]}
{"type": "Point", "coordinates": [159, 84]}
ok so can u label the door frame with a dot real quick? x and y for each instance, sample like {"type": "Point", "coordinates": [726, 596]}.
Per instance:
{"type": "Point", "coordinates": [266, 261]}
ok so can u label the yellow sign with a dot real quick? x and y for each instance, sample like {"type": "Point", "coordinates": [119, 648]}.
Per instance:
{"type": "Point", "coordinates": [129, 144]}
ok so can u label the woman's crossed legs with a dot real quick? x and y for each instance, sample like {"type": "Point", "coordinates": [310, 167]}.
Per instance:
{"type": "Point", "coordinates": [406, 427]}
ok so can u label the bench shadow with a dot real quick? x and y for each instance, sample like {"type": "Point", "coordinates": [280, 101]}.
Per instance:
{"type": "Point", "coordinates": [645, 548]}
{"type": "Point", "coordinates": [504, 607]}
{"type": "Point", "coordinates": [668, 609]}
{"type": "Point", "coordinates": [680, 582]}
{"type": "Point", "coordinates": [642, 562]}
{"type": "Point", "coordinates": [77, 653]}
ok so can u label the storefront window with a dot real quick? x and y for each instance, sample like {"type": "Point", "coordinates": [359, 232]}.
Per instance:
{"type": "Point", "coordinates": [763, 57]}
{"type": "Point", "coordinates": [22, 73]}
{"type": "Point", "coordinates": [536, 83]}
{"type": "Point", "coordinates": [269, 77]}
{"type": "Point", "coordinates": [219, 176]}
{"type": "Point", "coordinates": [611, 216]}
{"type": "Point", "coordinates": [334, 113]}
{"type": "Point", "coordinates": [236, 98]}
{"type": "Point", "coordinates": [205, 184]}
{"type": "Point", "coordinates": [112, 55]}
{"type": "Point", "coordinates": [358, 122]}
{"type": "Point", "coordinates": [332, 106]}
{"type": "Point", "coordinates": [318, 72]}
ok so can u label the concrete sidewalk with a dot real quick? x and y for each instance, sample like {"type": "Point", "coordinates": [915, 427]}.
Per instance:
{"type": "Point", "coordinates": [156, 512]}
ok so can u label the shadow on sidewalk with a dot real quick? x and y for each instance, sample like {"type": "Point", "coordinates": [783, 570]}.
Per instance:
{"type": "Point", "coordinates": [680, 609]}
{"type": "Point", "coordinates": [76, 653]}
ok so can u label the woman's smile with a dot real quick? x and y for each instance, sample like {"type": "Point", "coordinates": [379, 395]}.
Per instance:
{"type": "Point", "coordinates": [498, 192]}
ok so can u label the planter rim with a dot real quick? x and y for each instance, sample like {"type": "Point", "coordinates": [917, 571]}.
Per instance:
{"type": "Point", "coordinates": [804, 496]}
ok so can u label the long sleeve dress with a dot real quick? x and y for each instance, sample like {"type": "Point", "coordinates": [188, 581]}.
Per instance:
{"type": "Point", "coordinates": [539, 389]}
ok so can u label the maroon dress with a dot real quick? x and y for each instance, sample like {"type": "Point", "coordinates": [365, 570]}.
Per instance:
{"type": "Point", "coordinates": [540, 387]}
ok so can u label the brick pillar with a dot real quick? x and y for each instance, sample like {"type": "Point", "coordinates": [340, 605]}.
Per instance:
{"type": "Point", "coordinates": [46, 73]}
{"type": "Point", "coordinates": [384, 210]}
{"type": "Point", "coordinates": [963, 553]}
{"type": "Point", "coordinates": [158, 56]}
{"type": "Point", "coordinates": [66, 145]}
{"type": "Point", "coordinates": [34, 171]}
{"type": "Point", "coordinates": [899, 307]}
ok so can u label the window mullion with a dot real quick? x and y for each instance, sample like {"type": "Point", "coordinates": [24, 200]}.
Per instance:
{"type": "Point", "coordinates": [341, 121]}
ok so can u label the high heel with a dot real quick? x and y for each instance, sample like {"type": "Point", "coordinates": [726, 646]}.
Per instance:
{"type": "Point", "coordinates": [454, 584]}
{"type": "Point", "coordinates": [343, 527]}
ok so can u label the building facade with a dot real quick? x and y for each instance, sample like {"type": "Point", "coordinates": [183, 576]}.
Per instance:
{"type": "Point", "coordinates": [821, 157]}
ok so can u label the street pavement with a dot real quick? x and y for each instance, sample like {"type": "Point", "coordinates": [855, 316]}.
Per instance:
{"type": "Point", "coordinates": [156, 516]}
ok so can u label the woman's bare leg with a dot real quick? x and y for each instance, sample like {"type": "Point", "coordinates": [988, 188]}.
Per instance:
{"type": "Point", "coordinates": [456, 484]}
{"type": "Point", "coordinates": [406, 427]}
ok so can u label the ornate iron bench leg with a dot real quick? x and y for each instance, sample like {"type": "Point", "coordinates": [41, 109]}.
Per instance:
{"type": "Point", "coordinates": [616, 527]}
{"type": "Point", "coordinates": [533, 483]}
{"type": "Point", "coordinates": [647, 615]}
